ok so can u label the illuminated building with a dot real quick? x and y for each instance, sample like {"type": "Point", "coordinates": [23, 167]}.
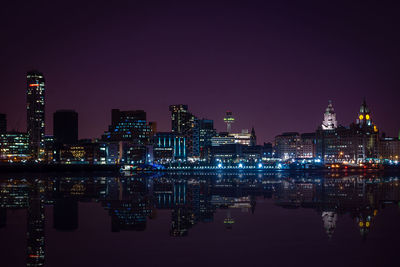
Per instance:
{"type": "Point", "coordinates": [207, 132]}
{"type": "Point", "coordinates": [222, 139]}
{"type": "Point", "coordinates": [286, 145]}
{"type": "Point", "coordinates": [83, 153]}
{"type": "Point", "coordinates": [389, 148]}
{"type": "Point", "coordinates": [243, 138]}
{"type": "Point", "coordinates": [129, 126]}
{"type": "Point", "coordinates": [36, 113]}
{"type": "Point", "coordinates": [3, 123]}
{"type": "Point", "coordinates": [169, 147]}
{"type": "Point", "coordinates": [65, 126]}
{"type": "Point", "coordinates": [186, 124]}
{"type": "Point", "coordinates": [14, 146]}
{"type": "Point", "coordinates": [353, 144]}
{"type": "Point", "coordinates": [330, 121]}
{"type": "Point", "coordinates": [229, 120]}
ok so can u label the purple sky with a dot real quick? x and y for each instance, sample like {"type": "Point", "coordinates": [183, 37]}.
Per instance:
{"type": "Point", "coordinates": [274, 65]}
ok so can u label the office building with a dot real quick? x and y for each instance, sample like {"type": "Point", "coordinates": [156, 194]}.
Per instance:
{"type": "Point", "coordinates": [65, 127]}
{"type": "Point", "coordinates": [36, 113]}
{"type": "Point", "coordinates": [14, 146]}
{"type": "Point", "coordinates": [186, 124]}
{"type": "Point", "coordinates": [130, 126]}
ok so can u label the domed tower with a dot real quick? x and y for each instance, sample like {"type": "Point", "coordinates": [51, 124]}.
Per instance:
{"type": "Point", "coordinates": [329, 218]}
{"type": "Point", "coordinates": [364, 116]}
{"type": "Point", "coordinates": [330, 122]}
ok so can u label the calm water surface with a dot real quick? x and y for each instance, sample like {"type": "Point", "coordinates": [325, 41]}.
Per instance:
{"type": "Point", "coordinates": [242, 219]}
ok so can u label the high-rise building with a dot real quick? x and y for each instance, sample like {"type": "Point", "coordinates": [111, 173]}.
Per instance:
{"type": "Point", "coordinates": [35, 107]}
{"type": "Point", "coordinates": [330, 121]}
{"type": "Point", "coordinates": [3, 123]}
{"type": "Point", "coordinates": [129, 126]}
{"type": "Point", "coordinates": [206, 133]}
{"type": "Point", "coordinates": [186, 124]}
{"type": "Point", "coordinates": [65, 127]}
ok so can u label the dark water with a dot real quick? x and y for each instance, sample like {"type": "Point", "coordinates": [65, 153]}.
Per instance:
{"type": "Point", "coordinates": [245, 219]}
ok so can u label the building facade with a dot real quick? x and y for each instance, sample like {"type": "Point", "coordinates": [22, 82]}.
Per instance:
{"type": "Point", "coordinates": [35, 107]}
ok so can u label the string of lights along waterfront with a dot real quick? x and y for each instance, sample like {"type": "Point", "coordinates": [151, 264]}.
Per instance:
{"type": "Point", "coordinates": [193, 143]}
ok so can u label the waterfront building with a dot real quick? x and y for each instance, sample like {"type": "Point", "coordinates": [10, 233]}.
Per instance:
{"type": "Point", "coordinates": [186, 124]}
{"type": "Point", "coordinates": [221, 139]}
{"type": "Point", "coordinates": [389, 148]}
{"type": "Point", "coordinates": [286, 145]}
{"type": "Point", "coordinates": [207, 132]}
{"type": "Point", "coordinates": [36, 113]}
{"type": "Point", "coordinates": [129, 126]}
{"type": "Point", "coordinates": [169, 147]}
{"type": "Point", "coordinates": [14, 146]}
{"type": "Point", "coordinates": [81, 153]}
{"type": "Point", "coordinates": [3, 123]}
{"type": "Point", "coordinates": [354, 144]}
{"type": "Point", "coordinates": [329, 122]}
{"type": "Point", "coordinates": [65, 126]}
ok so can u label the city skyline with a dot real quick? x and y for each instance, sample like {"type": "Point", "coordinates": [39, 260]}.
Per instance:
{"type": "Point", "coordinates": [275, 67]}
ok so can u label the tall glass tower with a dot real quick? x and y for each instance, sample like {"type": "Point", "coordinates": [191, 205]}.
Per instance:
{"type": "Point", "coordinates": [35, 93]}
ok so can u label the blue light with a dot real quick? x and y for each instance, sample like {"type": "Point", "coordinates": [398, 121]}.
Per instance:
{"type": "Point", "coordinates": [219, 165]}
{"type": "Point", "coordinates": [259, 165]}
{"type": "Point", "coordinates": [240, 165]}
{"type": "Point", "coordinates": [279, 166]}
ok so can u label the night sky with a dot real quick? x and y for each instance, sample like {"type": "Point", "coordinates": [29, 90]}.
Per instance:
{"type": "Point", "coordinates": [274, 64]}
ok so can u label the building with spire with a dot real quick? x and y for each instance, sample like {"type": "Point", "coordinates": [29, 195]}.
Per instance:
{"type": "Point", "coordinates": [329, 122]}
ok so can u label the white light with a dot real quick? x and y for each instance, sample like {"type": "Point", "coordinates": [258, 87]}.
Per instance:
{"type": "Point", "coordinates": [240, 165]}
{"type": "Point", "coordinates": [259, 165]}
{"type": "Point", "coordinates": [219, 165]}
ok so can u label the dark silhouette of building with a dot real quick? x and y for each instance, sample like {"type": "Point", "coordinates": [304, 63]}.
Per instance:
{"type": "Point", "coordinates": [130, 126]}
{"type": "Point", "coordinates": [35, 107]}
{"type": "Point", "coordinates": [65, 127]}
{"type": "Point", "coordinates": [3, 123]}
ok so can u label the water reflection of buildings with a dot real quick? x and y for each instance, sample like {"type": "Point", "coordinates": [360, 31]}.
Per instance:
{"type": "Point", "coordinates": [36, 226]}
{"type": "Point", "coordinates": [360, 197]}
{"type": "Point", "coordinates": [128, 203]}
{"type": "Point", "coordinates": [192, 199]}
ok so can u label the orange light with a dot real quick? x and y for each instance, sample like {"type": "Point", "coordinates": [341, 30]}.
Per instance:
{"type": "Point", "coordinates": [361, 117]}
{"type": "Point", "coordinates": [33, 84]}
{"type": "Point", "coordinates": [33, 256]}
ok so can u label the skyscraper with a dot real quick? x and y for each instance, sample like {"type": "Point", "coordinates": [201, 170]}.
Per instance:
{"type": "Point", "coordinates": [35, 107]}
{"type": "Point", "coordinates": [65, 126]}
{"type": "Point", "coordinates": [3, 123]}
{"type": "Point", "coordinates": [130, 125]}
{"type": "Point", "coordinates": [185, 123]}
